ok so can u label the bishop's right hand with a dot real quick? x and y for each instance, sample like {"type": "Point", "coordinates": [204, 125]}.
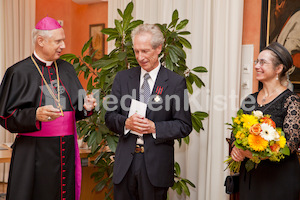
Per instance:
{"type": "Point", "coordinates": [47, 113]}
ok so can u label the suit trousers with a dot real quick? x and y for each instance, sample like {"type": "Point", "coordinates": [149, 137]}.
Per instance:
{"type": "Point", "coordinates": [136, 184]}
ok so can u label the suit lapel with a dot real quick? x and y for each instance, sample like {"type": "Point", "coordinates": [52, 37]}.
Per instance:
{"type": "Point", "coordinates": [134, 82]}
{"type": "Point", "coordinates": [161, 84]}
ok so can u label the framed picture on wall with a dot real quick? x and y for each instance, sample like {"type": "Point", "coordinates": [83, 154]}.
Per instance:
{"type": "Point", "coordinates": [281, 23]}
{"type": "Point", "coordinates": [98, 40]}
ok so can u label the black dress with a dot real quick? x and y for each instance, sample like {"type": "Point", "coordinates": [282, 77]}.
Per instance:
{"type": "Point", "coordinates": [275, 180]}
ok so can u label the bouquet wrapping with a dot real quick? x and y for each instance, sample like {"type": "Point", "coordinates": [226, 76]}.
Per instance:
{"type": "Point", "coordinates": [257, 133]}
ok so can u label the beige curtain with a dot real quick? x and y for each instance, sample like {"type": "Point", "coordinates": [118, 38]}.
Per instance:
{"type": "Point", "coordinates": [17, 19]}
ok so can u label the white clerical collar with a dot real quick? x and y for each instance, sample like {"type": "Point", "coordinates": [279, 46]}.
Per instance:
{"type": "Point", "coordinates": [153, 73]}
{"type": "Point", "coordinates": [48, 63]}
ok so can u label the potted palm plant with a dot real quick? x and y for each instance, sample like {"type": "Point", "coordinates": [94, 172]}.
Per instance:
{"type": "Point", "coordinates": [100, 75]}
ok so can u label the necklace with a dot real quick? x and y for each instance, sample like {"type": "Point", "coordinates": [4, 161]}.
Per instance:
{"type": "Point", "coordinates": [48, 88]}
{"type": "Point", "coordinates": [267, 96]}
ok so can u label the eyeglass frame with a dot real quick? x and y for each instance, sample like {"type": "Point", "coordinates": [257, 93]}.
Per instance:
{"type": "Point", "coordinates": [261, 62]}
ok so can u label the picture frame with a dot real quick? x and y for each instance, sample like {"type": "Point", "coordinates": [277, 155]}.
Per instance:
{"type": "Point", "coordinates": [280, 21]}
{"type": "Point", "coordinates": [98, 40]}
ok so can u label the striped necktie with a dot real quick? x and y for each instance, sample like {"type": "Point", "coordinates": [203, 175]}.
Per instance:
{"type": "Point", "coordinates": [145, 90]}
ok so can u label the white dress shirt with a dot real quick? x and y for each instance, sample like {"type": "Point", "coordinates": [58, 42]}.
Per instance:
{"type": "Point", "coordinates": [151, 81]}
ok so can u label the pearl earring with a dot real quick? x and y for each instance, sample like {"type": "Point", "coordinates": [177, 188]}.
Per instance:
{"type": "Point", "coordinates": [277, 77]}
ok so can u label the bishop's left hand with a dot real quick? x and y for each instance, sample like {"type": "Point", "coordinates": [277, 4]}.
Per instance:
{"type": "Point", "coordinates": [89, 102]}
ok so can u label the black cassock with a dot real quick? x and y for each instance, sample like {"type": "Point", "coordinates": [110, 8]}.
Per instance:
{"type": "Point", "coordinates": [41, 167]}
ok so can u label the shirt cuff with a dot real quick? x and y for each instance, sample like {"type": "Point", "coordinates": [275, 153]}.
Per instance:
{"type": "Point", "coordinates": [154, 135]}
{"type": "Point", "coordinates": [126, 131]}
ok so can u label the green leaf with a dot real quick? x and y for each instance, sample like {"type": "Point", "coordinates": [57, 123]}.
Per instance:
{"type": "Point", "coordinates": [111, 143]}
{"type": "Point", "coordinates": [109, 31]}
{"type": "Point", "coordinates": [120, 12]}
{"type": "Point", "coordinates": [169, 63]}
{"type": "Point", "coordinates": [184, 33]}
{"type": "Point", "coordinates": [107, 67]}
{"type": "Point", "coordinates": [200, 69]}
{"type": "Point", "coordinates": [182, 24]}
{"type": "Point", "coordinates": [238, 145]}
{"type": "Point", "coordinates": [86, 46]}
{"type": "Point", "coordinates": [240, 112]}
{"type": "Point", "coordinates": [197, 80]}
{"type": "Point", "coordinates": [122, 56]}
{"type": "Point", "coordinates": [99, 137]}
{"type": "Point", "coordinates": [185, 42]}
{"type": "Point", "coordinates": [179, 141]}
{"type": "Point", "coordinates": [119, 27]}
{"type": "Point", "coordinates": [90, 84]}
{"type": "Point", "coordinates": [178, 51]}
{"type": "Point", "coordinates": [190, 183]}
{"type": "Point", "coordinates": [190, 79]}
{"type": "Point", "coordinates": [200, 114]}
{"type": "Point", "coordinates": [68, 57]}
{"type": "Point", "coordinates": [112, 37]}
{"type": "Point", "coordinates": [175, 15]}
{"type": "Point", "coordinates": [100, 186]}
{"type": "Point", "coordinates": [175, 185]}
{"type": "Point", "coordinates": [179, 189]}
{"type": "Point", "coordinates": [173, 23]}
{"type": "Point", "coordinates": [129, 8]}
{"type": "Point", "coordinates": [87, 59]}
{"type": "Point", "coordinates": [94, 148]}
{"type": "Point", "coordinates": [174, 19]}
{"type": "Point", "coordinates": [173, 56]}
{"type": "Point", "coordinates": [186, 139]}
{"type": "Point", "coordinates": [196, 122]}
{"type": "Point", "coordinates": [189, 86]}
{"type": "Point", "coordinates": [127, 15]}
{"type": "Point", "coordinates": [92, 138]}
{"type": "Point", "coordinates": [185, 188]}
{"type": "Point", "coordinates": [177, 169]}
{"type": "Point", "coordinates": [134, 24]}
{"type": "Point", "coordinates": [285, 150]}
{"type": "Point", "coordinates": [106, 64]}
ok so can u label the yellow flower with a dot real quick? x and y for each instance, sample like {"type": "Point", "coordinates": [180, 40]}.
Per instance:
{"type": "Point", "coordinates": [248, 120]}
{"type": "Point", "coordinates": [242, 136]}
{"type": "Point", "coordinates": [257, 143]}
{"type": "Point", "coordinates": [282, 142]}
{"type": "Point", "coordinates": [237, 120]}
{"type": "Point", "coordinates": [238, 135]}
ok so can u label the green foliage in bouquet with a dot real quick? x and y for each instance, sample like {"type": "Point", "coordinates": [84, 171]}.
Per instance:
{"type": "Point", "coordinates": [257, 133]}
{"type": "Point", "coordinates": [101, 73]}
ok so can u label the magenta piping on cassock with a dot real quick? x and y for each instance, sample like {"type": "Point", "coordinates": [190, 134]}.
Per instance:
{"type": "Point", "coordinates": [63, 126]}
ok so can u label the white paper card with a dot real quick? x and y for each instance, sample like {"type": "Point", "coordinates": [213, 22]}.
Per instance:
{"type": "Point", "coordinates": [139, 108]}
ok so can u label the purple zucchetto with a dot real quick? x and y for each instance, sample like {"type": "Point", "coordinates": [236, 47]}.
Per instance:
{"type": "Point", "coordinates": [47, 23]}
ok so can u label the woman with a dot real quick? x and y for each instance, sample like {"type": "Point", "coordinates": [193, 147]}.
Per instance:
{"type": "Point", "coordinates": [273, 180]}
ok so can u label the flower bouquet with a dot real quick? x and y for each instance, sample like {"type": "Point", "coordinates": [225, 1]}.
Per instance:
{"type": "Point", "coordinates": [258, 134]}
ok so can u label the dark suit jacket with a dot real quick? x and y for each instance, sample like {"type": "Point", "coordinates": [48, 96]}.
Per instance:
{"type": "Point", "coordinates": [171, 123]}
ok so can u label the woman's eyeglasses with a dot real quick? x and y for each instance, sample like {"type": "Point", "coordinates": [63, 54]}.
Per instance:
{"type": "Point", "coordinates": [261, 62]}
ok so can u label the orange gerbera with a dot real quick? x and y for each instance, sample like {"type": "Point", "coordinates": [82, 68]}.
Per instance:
{"type": "Point", "coordinates": [257, 143]}
{"type": "Point", "coordinates": [269, 121]}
